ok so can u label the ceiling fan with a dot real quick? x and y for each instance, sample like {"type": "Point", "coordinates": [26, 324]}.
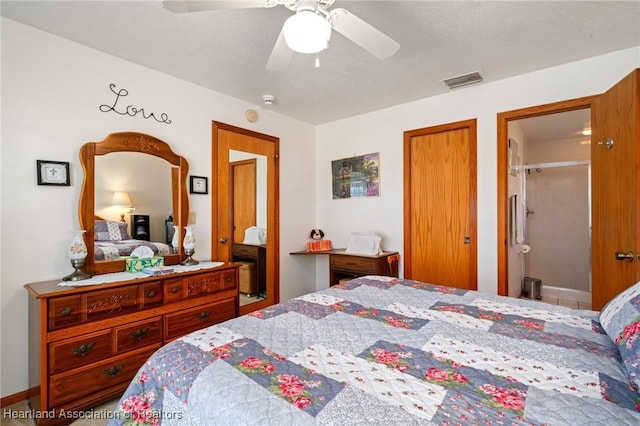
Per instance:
{"type": "Point", "coordinates": [308, 31]}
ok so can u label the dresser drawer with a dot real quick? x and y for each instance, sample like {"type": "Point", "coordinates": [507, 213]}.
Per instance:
{"type": "Point", "coordinates": [173, 290]}
{"type": "Point", "coordinates": [152, 294]}
{"type": "Point", "coordinates": [360, 265]}
{"type": "Point", "coordinates": [83, 381]}
{"type": "Point", "coordinates": [138, 335]}
{"type": "Point", "coordinates": [112, 302]}
{"type": "Point", "coordinates": [212, 282]}
{"type": "Point", "coordinates": [64, 311]}
{"type": "Point", "coordinates": [182, 323]}
{"type": "Point", "coordinates": [79, 351]}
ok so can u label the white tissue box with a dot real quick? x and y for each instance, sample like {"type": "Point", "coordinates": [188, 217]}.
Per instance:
{"type": "Point", "coordinates": [364, 243]}
{"type": "Point", "coordinates": [255, 235]}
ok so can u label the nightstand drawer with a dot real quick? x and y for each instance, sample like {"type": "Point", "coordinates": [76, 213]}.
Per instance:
{"type": "Point", "coordinates": [79, 351]}
{"type": "Point", "coordinates": [85, 381]}
{"type": "Point", "coordinates": [133, 336]}
{"type": "Point", "coordinates": [245, 251]}
{"type": "Point", "coordinates": [112, 302]}
{"type": "Point", "coordinates": [182, 323]}
{"type": "Point", "coordinates": [359, 264]}
{"type": "Point", "coordinates": [64, 311]}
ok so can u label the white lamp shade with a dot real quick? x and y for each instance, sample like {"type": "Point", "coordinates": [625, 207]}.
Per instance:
{"type": "Point", "coordinates": [307, 32]}
{"type": "Point", "coordinates": [121, 199]}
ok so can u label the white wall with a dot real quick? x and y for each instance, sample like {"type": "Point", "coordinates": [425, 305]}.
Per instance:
{"type": "Point", "coordinates": [51, 93]}
{"type": "Point", "coordinates": [382, 131]}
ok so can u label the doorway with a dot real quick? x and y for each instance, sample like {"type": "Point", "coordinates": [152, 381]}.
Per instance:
{"type": "Point", "coordinates": [511, 267]}
{"type": "Point", "coordinates": [242, 229]}
{"type": "Point", "coordinates": [551, 183]}
{"type": "Point", "coordinates": [615, 210]}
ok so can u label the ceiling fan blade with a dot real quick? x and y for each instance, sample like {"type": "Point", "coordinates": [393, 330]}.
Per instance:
{"type": "Point", "coordinates": [280, 55]}
{"type": "Point", "coordinates": [183, 6]}
{"type": "Point", "coordinates": [363, 34]}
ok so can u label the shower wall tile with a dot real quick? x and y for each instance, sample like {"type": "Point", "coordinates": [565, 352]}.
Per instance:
{"type": "Point", "coordinates": [558, 230]}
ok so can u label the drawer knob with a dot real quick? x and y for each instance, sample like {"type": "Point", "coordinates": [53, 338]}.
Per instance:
{"type": "Point", "coordinates": [175, 289]}
{"type": "Point", "coordinates": [66, 312]}
{"type": "Point", "coordinates": [83, 349]}
{"type": "Point", "coordinates": [152, 293]}
{"type": "Point", "coordinates": [140, 333]}
{"type": "Point", "coordinates": [203, 315]}
{"type": "Point", "coordinates": [113, 370]}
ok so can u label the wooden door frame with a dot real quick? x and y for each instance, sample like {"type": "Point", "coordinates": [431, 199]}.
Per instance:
{"type": "Point", "coordinates": [503, 188]}
{"type": "Point", "coordinates": [472, 125]}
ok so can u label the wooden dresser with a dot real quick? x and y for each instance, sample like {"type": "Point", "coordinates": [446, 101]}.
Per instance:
{"type": "Point", "coordinates": [86, 343]}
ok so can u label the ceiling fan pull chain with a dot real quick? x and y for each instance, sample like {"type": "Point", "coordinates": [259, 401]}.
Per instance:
{"type": "Point", "coordinates": [317, 61]}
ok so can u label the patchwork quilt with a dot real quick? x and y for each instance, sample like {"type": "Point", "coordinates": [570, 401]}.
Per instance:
{"type": "Point", "coordinates": [387, 351]}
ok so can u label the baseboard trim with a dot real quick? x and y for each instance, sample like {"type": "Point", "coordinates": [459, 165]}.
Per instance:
{"type": "Point", "coordinates": [8, 400]}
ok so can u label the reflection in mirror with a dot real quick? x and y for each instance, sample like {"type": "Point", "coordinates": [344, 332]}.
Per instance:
{"type": "Point", "coordinates": [248, 173]}
{"type": "Point", "coordinates": [147, 182]}
{"type": "Point", "coordinates": [130, 176]}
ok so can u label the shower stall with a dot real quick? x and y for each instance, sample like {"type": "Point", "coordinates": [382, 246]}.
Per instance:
{"type": "Point", "coordinates": [557, 226]}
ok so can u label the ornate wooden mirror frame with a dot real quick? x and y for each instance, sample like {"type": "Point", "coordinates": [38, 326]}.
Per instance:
{"type": "Point", "coordinates": [129, 142]}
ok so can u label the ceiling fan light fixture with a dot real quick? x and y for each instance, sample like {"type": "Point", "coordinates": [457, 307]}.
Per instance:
{"type": "Point", "coordinates": [307, 32]}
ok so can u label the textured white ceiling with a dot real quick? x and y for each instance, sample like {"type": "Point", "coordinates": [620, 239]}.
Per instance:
{"type": "Point", "coordinates": [227, 50]}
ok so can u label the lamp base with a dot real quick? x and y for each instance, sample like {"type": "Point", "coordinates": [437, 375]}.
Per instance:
{"type": "Point", "coordinates": [78, 274]}
{"type": "Point", "coordinates": [189, 261]}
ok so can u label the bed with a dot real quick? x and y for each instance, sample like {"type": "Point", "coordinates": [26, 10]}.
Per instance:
{"type": "Point", "coordinates": [112, 241]}
{"type": "Point", "coordinates": [385, 351]}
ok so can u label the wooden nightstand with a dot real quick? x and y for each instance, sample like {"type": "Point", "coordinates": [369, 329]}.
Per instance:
{"type": "Point", "coordinates": [349, 265]}
{"type": "Point", "coordinates": [256, 253]}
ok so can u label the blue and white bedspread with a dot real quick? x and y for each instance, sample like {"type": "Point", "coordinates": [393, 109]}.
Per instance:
{"type": "Point", "coordinates": [386, 351]}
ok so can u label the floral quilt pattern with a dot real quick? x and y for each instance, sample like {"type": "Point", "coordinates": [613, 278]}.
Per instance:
{"type": "Point", "coordinates": [379, 350]}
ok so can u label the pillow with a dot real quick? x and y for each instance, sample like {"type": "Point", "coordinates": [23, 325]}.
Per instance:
{"type": "Point", "coordinates": [107, 230]}
{"type": "Point", "coordinates": [620, 319]}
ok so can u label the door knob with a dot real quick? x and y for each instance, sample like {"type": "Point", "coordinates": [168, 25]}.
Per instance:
{"type": "Point", "coordinates": [608, 143]}
{"type": "Point", "coordinates": [223, 240]}
{"type": "Point", "coordinates": [624, 256]}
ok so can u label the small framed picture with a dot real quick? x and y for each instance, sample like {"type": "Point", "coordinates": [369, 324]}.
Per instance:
{"type": "Point", "coordinates": [198, 185]}
{"type": "Point", "coordinates": [53, 173]}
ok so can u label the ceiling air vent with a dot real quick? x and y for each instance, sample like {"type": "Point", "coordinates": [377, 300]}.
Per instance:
{"type": "Point", "coordinates": [463, 80]}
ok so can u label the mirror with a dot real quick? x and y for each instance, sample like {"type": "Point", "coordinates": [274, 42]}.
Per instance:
{"type": "Point", "coordinates": [144, 181]}
{"type": "Point", "coordinates": [248, 181]}
{"type": "Point", "coordinates": [158, 182]}
{"type": "Point", "coordinates": [233, 145]}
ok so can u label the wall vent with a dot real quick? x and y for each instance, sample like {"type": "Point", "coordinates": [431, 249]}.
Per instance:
{"type": "Point", "coordinates": [463, 80]}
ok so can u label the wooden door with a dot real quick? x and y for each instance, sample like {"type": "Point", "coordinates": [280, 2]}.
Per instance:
{"type": "Point", "coordinates": [243, 184]}
{"type": "Point", "coordinates": [225, 138]}
{"type": "Point", "coordinates": [615, 189]}
{"type": "Point", "coordinates": [440, 205]}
